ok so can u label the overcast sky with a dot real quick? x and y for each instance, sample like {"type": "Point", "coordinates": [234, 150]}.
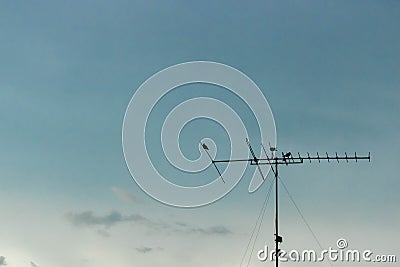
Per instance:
{"type": "Point", "coordinates": [329, 69]}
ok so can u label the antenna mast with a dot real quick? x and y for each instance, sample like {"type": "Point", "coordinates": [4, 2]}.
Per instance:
{"type": "Point", "coordinates": [286, 159]}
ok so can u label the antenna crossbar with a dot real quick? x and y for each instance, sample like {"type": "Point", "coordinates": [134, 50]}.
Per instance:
{"type": "Point", "coordinates": [297, 160]}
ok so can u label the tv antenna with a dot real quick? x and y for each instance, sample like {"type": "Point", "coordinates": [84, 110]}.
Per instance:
{"type": "Point", "coordinates": [286, 159]}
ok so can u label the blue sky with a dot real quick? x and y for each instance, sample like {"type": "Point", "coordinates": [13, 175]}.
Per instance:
{"type": "Point", "coordinates": [329, 69]}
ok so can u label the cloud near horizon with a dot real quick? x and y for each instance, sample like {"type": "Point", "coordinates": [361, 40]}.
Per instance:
{"type": "Point", "coordinates": [145, 250]}
{"type": "Point", "coordinates": [3, 261]}
{"type": "Point", "coordinates": [89, 219]}
{"type": "Point", "coordinates": [212, 230]}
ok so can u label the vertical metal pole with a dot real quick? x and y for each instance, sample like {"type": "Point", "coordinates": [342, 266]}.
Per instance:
{"type": "Point", "coordinates": [276, 214]}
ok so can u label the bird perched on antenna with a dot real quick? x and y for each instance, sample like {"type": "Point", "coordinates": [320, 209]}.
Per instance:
{"type": "Point", "coordinates": [286, 155]}
{"type": "Point", "coordinates": [271, 148]}
{"type": "Point", "coordinates": [205, 147]}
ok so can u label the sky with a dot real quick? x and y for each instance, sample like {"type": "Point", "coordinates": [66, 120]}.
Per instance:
{"type": "Point", "coordinates": [329, 70]}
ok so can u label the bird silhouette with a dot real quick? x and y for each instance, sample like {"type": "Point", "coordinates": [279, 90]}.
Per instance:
{"type": "Point", "coordinates": [271, 148]}
{"type": "Point", "coordinates": [287, 155]}
{"type": "Point", "coordinates": [204, 146]}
